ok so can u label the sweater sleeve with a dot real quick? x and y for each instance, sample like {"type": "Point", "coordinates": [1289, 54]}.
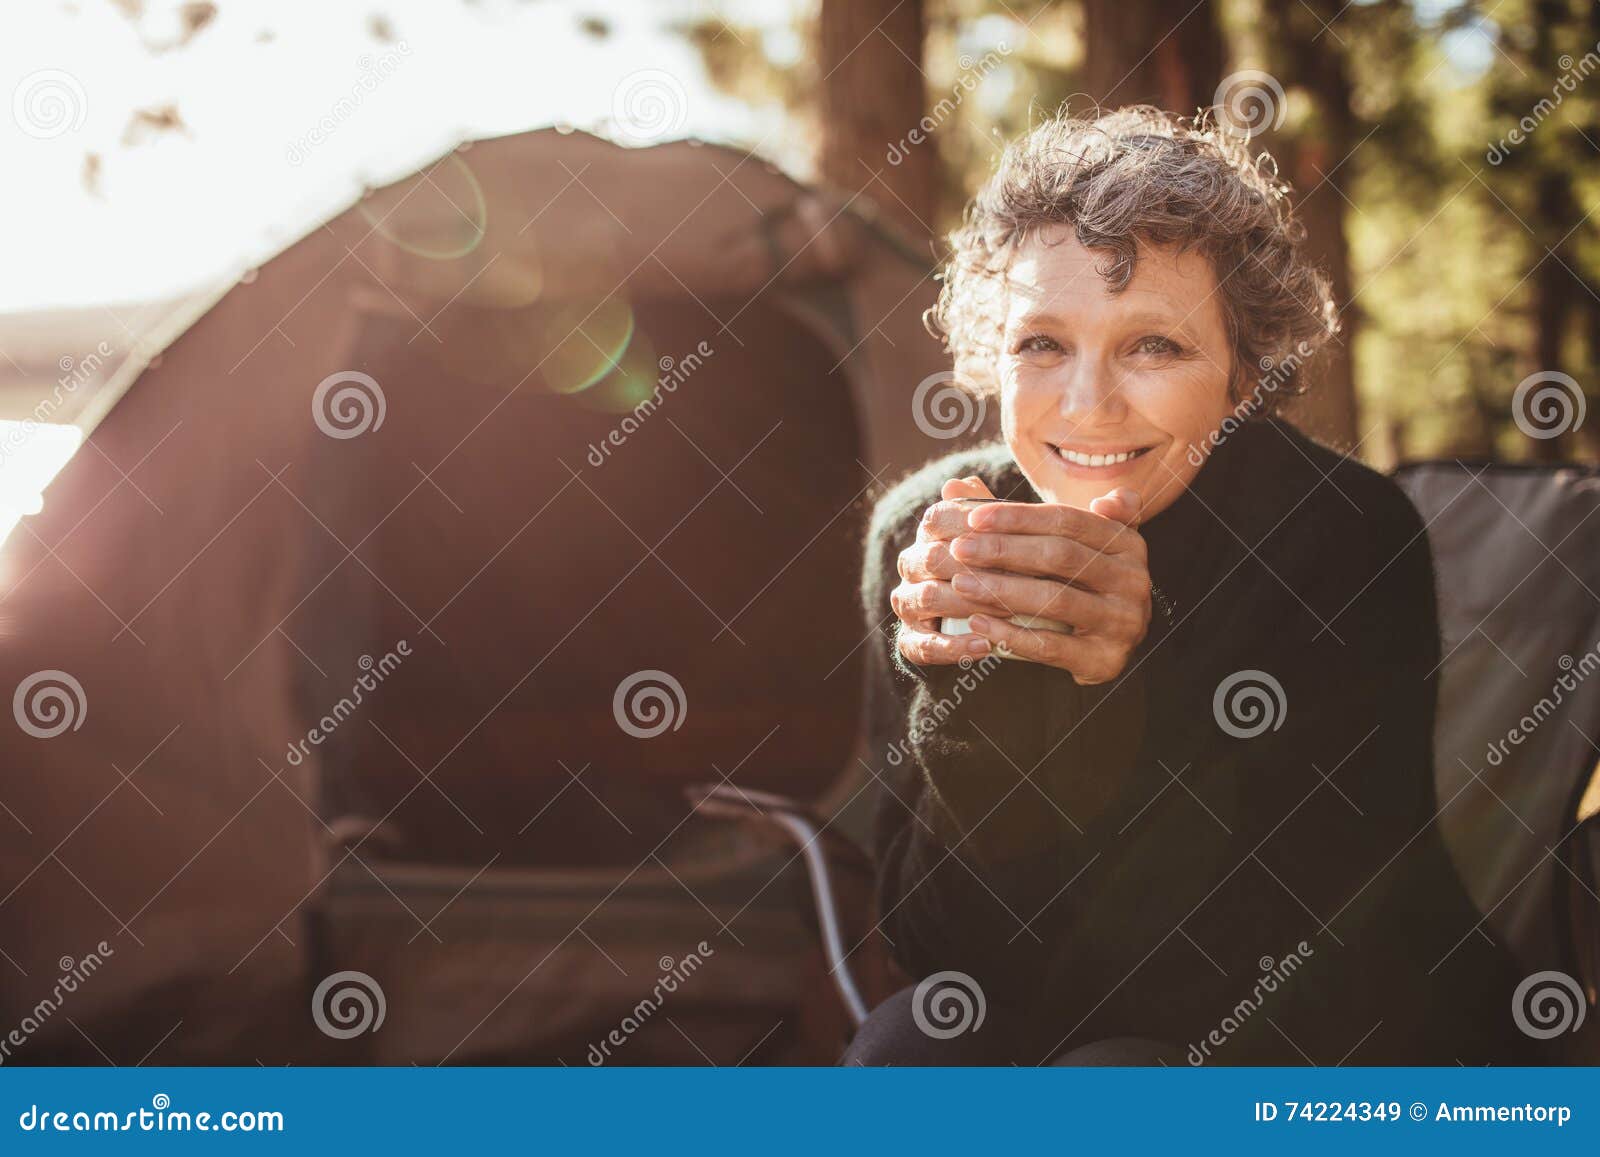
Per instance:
{"type": "Point", "coordinates": [996, 774]}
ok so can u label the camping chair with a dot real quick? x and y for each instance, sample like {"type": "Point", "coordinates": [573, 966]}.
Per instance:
{"type": "Point", "coordinates": [1516, 751]}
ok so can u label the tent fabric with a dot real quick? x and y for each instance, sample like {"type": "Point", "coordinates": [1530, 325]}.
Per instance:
{"type": "Point", "coordinates": [224, 563]}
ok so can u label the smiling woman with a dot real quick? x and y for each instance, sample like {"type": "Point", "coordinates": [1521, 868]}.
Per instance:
{"type": "Point", "coordinates": [1225, 753]}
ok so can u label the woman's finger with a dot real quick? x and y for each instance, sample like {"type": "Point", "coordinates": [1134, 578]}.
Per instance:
{"type": "Point", "coordinates": [922, 561]}
{"type": "Point", "coordinates": [931, 649]}
{"type": "Point", "coordinates": [1046, 556]}
{"type": "Point", "coordinates": [1042, 598]}
{"type": "Point", "coordinates": [948, 517]}
{"type": "Point", "coordinates": [969, 487]}
{"type": "Point", "coordinates": [1096, 531]}
{"type": "Point", "coordinates": [944, 520]}
{"type": "Point", "coordinates": [927, 602]}
{"type": "Point", "coordinates": [1088, 660]}
{"type": "Point", "coordinates": [1121, 505]}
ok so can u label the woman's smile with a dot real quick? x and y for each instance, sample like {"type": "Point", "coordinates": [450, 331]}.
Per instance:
{"type": "Point", "coordinates": [1110, 462]}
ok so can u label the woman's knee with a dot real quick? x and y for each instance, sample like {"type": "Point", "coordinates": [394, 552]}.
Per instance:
{"type": "Point", "coordinates": [894, 1034]}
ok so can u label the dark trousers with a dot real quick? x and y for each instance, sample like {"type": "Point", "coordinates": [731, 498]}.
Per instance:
{"type": "Point", "coordinates": [891, 1035]}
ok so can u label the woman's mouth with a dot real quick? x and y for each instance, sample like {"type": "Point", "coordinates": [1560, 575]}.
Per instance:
{"type": "Point", "coordinates": [1098, 460]}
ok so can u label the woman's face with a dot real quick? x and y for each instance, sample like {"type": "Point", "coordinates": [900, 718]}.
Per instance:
{"type": "Point", "coordinates": [1100, 391]}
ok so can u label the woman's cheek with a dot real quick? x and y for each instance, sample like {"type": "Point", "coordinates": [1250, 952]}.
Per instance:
{"type": "Point", "coordinates": [1186, 403]}
{"type": "Point", "coordinates": [1024, 395]}
{"type": "Point", "coordinates": [1010, 389]}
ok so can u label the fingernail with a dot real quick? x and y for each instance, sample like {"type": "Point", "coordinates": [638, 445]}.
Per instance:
{"type": "Point", "coordinates": [978, 646]}
{"type": "Point", "coordinates": [967, 584]}
{"type": "Point", "coordinates": [965, 546]}
{"type": "Point", "coordinates": [979, 622]}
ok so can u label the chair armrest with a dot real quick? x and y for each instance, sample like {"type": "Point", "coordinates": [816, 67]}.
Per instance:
{"type": "Point", "coordinates": [725, 801]}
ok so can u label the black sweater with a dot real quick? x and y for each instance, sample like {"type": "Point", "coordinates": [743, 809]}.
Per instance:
{"type": "Point", "coordinates": [1111, 861]}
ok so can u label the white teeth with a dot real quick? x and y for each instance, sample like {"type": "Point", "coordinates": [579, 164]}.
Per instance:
{"type": "Point", "coordinates": [1078, 459]}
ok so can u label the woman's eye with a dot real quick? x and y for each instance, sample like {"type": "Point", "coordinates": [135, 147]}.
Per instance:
{"type": "Point", "coordinates": [1158, 345]}
{"type": "Point", "coordinates": [1037, 343]}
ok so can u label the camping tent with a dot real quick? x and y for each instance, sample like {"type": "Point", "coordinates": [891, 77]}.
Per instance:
{"type": "Point", "coordinates": [367, 600]}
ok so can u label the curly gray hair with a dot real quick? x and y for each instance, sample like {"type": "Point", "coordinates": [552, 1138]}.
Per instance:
{"type": "Point", "coordinates": [1142, 175]}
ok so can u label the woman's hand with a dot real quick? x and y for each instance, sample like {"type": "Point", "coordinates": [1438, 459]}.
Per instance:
{"type": "Point", "coordinates": [925, 595]}
{"type": "Point", "coordinates": [1086, 568]}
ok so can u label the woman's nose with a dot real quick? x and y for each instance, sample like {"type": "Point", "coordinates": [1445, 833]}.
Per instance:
{"type": "Point", "coordinates": [1089, 393]}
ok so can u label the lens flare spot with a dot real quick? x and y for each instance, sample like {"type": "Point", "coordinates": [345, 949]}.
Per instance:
{"type": "Point", "coordinates": [585, 342]}
{"type": "Point", "coordinates": [439, 215]}
{"type": "Point", "coordinates": [629, 385]}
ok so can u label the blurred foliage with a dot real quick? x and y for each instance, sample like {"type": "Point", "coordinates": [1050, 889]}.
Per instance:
{"type": "Point", "coordinates": [1449, 241]}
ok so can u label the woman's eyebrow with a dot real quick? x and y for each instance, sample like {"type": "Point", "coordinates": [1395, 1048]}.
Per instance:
{"type": "Point", "coordinates": [1161, 318]}
{"type": "Point", "coordinates": [1028, 318]}
{"type": "Point", "coordinates": [1167, 319]}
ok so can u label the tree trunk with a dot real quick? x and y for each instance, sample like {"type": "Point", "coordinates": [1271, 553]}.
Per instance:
{"type": "Point", "coordinates": [1135, 54]}
{"type": "Point", "coordinates": [1320, 169]}
{"type": "Point", "coordinates": [1553, 213]}
{"type": "Point", "coordinates": [1553, 288]}
{"type": "Point", "coordinates": [872, 102]}
{"type": "Point", "coordinates": [1330, 410]}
